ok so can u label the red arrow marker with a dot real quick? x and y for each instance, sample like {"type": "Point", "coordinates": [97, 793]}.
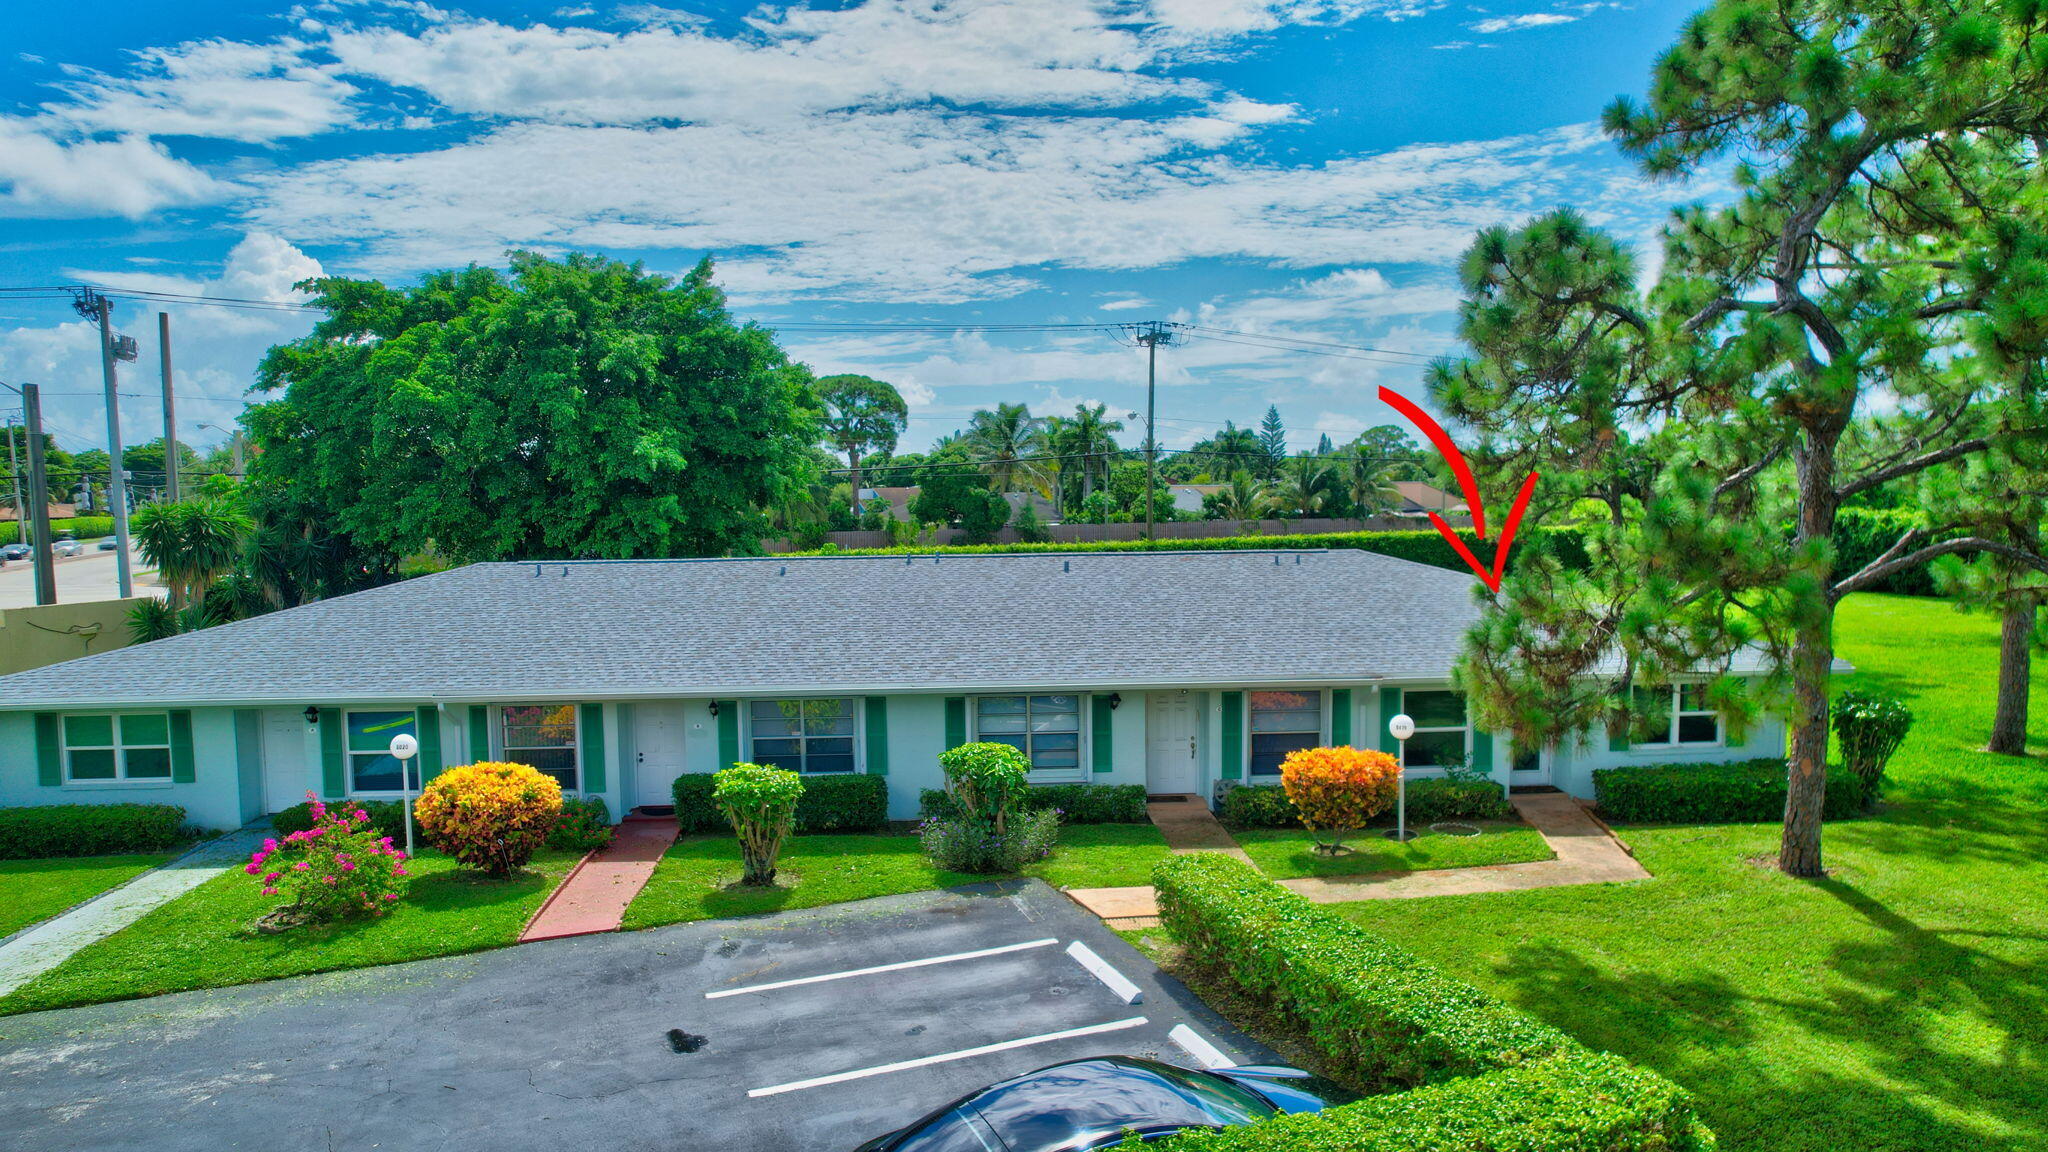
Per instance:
{"type": "Point", "coordinates": [1470, 487]}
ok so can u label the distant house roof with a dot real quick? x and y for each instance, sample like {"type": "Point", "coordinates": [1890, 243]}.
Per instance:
{"type": "Point", "coordinates": [595, 630]}
{"type": "Point", "coordinates": [1419, 497]}
{"type": "Point", "coordinates": [1188, 497]}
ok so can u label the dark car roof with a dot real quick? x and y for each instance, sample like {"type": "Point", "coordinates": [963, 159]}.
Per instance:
{"type": "Point", "coordinates": [1052, 1105]}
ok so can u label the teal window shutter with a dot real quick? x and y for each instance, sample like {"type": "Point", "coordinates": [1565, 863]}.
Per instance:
{"type": "Point", "coordinates": [183, 771]}
{"type": "Point", "coordinates": [877, 709]}
{"type": "Point", "coordinates": [1099, 740]}
{"type": "Point", "coordinates": [427, 727]}
{"type": "Point", "coordinates": [1482, 752]}
{"type": "Point", "coordinates": [479, 733]}
{"type": "Point", "coordinates": [1233, 736]}
{"type": "Point", "coordinates": [590, 748]}
{"type": "Point", "coordinates": [956, 721]}
{"type": "Point", "coordinates": [49, 751]}
{"type": "Point", "coordinates": [728, 733]}
{"type": "Point", "coordinates": [1340, 716]}
{"type": "Point", "coordinates": [333, 760]}
{"type": "Point", "coordinates": [1390, 707]}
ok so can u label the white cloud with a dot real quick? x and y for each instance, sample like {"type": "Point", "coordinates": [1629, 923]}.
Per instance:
{"type": "Point", "coordinates": [1495, 24]}
{"type": "Point", "coordinates": [218, 89]}
{"type": "Point", "coordinates": [48, 172]}
{"type": "Point", "coordinates": [1123, 305]}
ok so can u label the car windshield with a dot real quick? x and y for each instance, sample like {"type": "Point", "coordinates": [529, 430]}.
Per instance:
{"type": "Point", "coordinates": [1070, 1104]}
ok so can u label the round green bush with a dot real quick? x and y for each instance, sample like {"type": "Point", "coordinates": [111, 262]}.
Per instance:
{"type": "Point", "coordinates": [760, 802]}
{"type": "Point", "coordinates": [988, 779]}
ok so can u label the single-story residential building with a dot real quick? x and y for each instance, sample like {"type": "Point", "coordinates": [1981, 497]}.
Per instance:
{"type": "Point", "coordinates": [1185, 672]}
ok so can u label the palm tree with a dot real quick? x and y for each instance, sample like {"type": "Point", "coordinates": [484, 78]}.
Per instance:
{"type": "Point", "coordinates": [1371, 482]}
{"type": "Point", "coordinates": [861, 413]}
{"type": "Point", "coordinates": [1090, 435]}
{"type": "Point", "coordinates": [191, 543]}
{"type": "Point", "coordinates": [1005, 442]}
{"type": "Point", "coordinates": [1233, 449]}
{"type": "Point", "coordinates": [1305, 486]}
{"type": "Point", "coordinates": [1243, 498]}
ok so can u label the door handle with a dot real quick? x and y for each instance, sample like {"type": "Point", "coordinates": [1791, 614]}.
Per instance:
{"type": "Point", "coordinates": [639, 757]}
{"type": "Point", "coordinates": [1191, 747]}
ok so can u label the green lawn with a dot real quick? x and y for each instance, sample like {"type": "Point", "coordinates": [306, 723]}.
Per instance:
{"type": "Point", "coordinates": [1900, 1004]}
{"type": "Point", "coordinates": [39, 889]}
{"type": "Point", "coordinates": [694, 879]}
{"type": "Point", "coordinates": [1285, 853]}
{"type": "Point", "coordinates": [203, 939]}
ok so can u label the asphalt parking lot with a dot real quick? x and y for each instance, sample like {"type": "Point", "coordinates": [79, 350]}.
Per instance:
{"type": "Point", "coordinates": [803, 1030]}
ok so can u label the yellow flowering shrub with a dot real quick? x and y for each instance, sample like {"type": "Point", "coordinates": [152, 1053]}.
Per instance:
{"type": "Point", "coordinates": [1338, 790]}
{"type": "Point", "coordinates": [489, 815]}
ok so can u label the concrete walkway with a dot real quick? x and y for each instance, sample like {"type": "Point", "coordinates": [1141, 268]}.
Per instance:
{"type": "Point", "coordinates": [594, 896]}
{"type": "Point", "coordinates": [1586, 853]}
{"type": "Point", "coordinates": [38, 949]}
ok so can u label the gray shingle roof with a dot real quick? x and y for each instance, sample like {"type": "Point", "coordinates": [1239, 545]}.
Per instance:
{"type": "Point", "coordinates": [621, 629]}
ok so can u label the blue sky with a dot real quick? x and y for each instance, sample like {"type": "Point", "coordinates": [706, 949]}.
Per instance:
{"type": "Point", "coordinates": [1301, 167]}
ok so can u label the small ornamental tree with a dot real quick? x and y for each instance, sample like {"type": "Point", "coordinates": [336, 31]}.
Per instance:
{"type": "Point", "coordinates": [761, 804]}
{"type": "Point", "coordinates": [987, 779]}
{"type": "Point", "coordinates": [338, 869]}
{"type": "Point", "coordinates": [489, 815]}
{"type": "Point", "coordinates": [1338, 790]}
{"type": "Point", "coordinates": [1870, 727]}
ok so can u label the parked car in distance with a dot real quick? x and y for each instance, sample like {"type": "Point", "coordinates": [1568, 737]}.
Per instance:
{"type": "Point", "coordinates": [14, 552]}
{"type": "Point", "coordinates": [109, 544]}
{"type": "Point", "coordinates": [1090, 1104]}
{"type": "Point", "coordinates": [67, 547]}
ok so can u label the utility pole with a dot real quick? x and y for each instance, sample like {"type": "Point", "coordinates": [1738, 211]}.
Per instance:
{"type": "Point", "coordinates": [14, 481]}
{"type": "Point", "coordinates": [163, 341]}
{"type": "Point", "coordinates": [1152, 337]}
{"type": "Point", "coordinates": [43, 554]}
{"type": "Point", "coordinates": [95, 306]}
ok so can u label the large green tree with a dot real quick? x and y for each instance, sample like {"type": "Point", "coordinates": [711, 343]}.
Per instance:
{"type": "Point", "coordinates": [1009, 443]}
{"type": "Point", "coordinates": [569, 408]}
{"type": "Point", "coordinates": [1871, 146]}
{"type": "Point", "coordinates": [861, 413]}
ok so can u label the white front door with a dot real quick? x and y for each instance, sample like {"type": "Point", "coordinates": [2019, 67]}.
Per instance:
{"type": "Point", "coordinates": [658, 751]}
{"type": "Point", "coordinates": [286, 778]}
{"type": "Point", "coordinates": [1173, 732]}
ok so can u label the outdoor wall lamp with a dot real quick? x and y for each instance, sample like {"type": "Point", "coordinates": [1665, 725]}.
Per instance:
{"type": "Point", "coordinates": [714, 709]}
{"type": "Point", "coordinates": [312, 713]}
{"type": "Point", "coordinates": [1116, 700]}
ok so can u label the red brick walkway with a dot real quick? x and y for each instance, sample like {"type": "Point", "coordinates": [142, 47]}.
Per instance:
{"type": "Point", "coordinates": [593, 898]}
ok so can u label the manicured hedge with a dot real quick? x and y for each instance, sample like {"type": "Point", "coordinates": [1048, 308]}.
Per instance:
{"type": "Point", "coordinates": [845, 803]}
{"type": "Point", "coordinates": [82, 527]}
{"type": "Point", "coordinates": [1431, 800]}
{"type": "Point", "coordinates": [1383, 1017]}
{"type": "Point", "coordinates": [42, 831]}
{"type": "Point", "coordinates": [387, 816]}
{"type": "Point", "coordinates": [1582, 1102]}
{"type": "Point", "coordinates": [1077, 803]}
{"type": "Point", "coordinates": [1749, 791]}
{"type": "Point", "coordinates": [1480, 1075]}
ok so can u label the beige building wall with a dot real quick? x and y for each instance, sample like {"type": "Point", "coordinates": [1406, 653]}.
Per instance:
{"type": "Point", "coordinates": [52, 633]}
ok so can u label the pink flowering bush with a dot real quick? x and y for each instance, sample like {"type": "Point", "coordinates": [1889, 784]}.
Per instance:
{"type": "Point", "coordinates": [338, 869]}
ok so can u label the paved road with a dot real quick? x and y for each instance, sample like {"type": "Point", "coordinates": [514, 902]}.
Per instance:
{"type": "Point", "coordinates": [609, 1041]}
{"type": "Point", "coordinates": [90, 576]}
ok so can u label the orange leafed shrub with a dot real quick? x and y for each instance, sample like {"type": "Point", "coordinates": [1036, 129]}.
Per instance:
{"type": "Point", "coordinates": [488, 815]}
{"type": "Point", "coordinates": [1339, 789]}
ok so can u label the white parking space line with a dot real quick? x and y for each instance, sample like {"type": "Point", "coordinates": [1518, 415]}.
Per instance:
{"type": "Point", "coordinates": [898, 967]}
{"type": "Point", "coordinates": [1192, 1043]}
{"type": "Point", "coordinates": [1117, 981]}
{"type": "Point", "coordinates": [944, 1057]}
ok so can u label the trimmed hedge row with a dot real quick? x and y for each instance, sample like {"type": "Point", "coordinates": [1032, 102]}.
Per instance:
{"type": "Point", "coordinates": [1076, 803]}
{"type": "Point", "coordinates": [43, 831]}
{"type": "Point", "coordinates": [83, 527]}
{"type": "Point", "coordinates": [1483, 1075]}
{"type": "Point", "coordinates": [842, 803]}
{"type": "Point", "coordinates": [1429, 801]}
{"type": "Point", "coordinates": [1748, 791]}
{"type": "Point", "coordinates": [1584, 1102]}
{"type": "Point", "coordinates": [1383, 1017]}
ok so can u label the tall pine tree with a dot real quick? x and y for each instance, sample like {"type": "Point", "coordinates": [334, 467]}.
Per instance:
{"type": "Point", "coordinates": [1272, 441]}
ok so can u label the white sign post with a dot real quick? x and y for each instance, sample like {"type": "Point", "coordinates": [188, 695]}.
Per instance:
{"type": "Point", "coordinates": [1401, 728]}
{"type": "Point", "coordinates": [405, 748]}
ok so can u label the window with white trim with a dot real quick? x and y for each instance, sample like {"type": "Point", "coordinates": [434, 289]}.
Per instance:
{"type": "Point", "coordinates": [808, 736]}
{"type": "Point", "coordinates": [1442, 736]}
{"type": "Point", "coordinates": [1282, 722]}
{"type": "Point", "coordinates": [372, 769]}
{"type": "Point", "coordinates": [110, 748]}
{"type": "Point", "coordinates": [542, 737]}
{"type": "Point", "coordinates": [1680, 715]}
{"type": "Point", "coordinates": [1047, 729]}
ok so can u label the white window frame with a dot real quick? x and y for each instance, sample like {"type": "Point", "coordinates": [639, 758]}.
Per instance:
{"type": "Point", "coordinates": [1322, 725]}
{"type": "Point", "coordinates": [503, 751]}
{"type": "Point", "coordinates": [1465, 728]}
{"type": "Point", "coordinates": [1083, 750]}
{"type": "Point", "coordinates": [348, 756]}
{"type": "Point", "coordinates": [119, 748]}
{"type": "Point", "coordinates": [860, 733]}
{"type": "Point", "coordinates": [1675, 712]}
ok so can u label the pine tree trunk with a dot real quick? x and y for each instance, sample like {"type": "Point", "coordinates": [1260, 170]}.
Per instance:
{"type": "Point", "coordinates": [1813, 653]}
{"type": "Point", "coordinates": [2015, 667]}
{"type": "Point", "coordinates": [853, 466]}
